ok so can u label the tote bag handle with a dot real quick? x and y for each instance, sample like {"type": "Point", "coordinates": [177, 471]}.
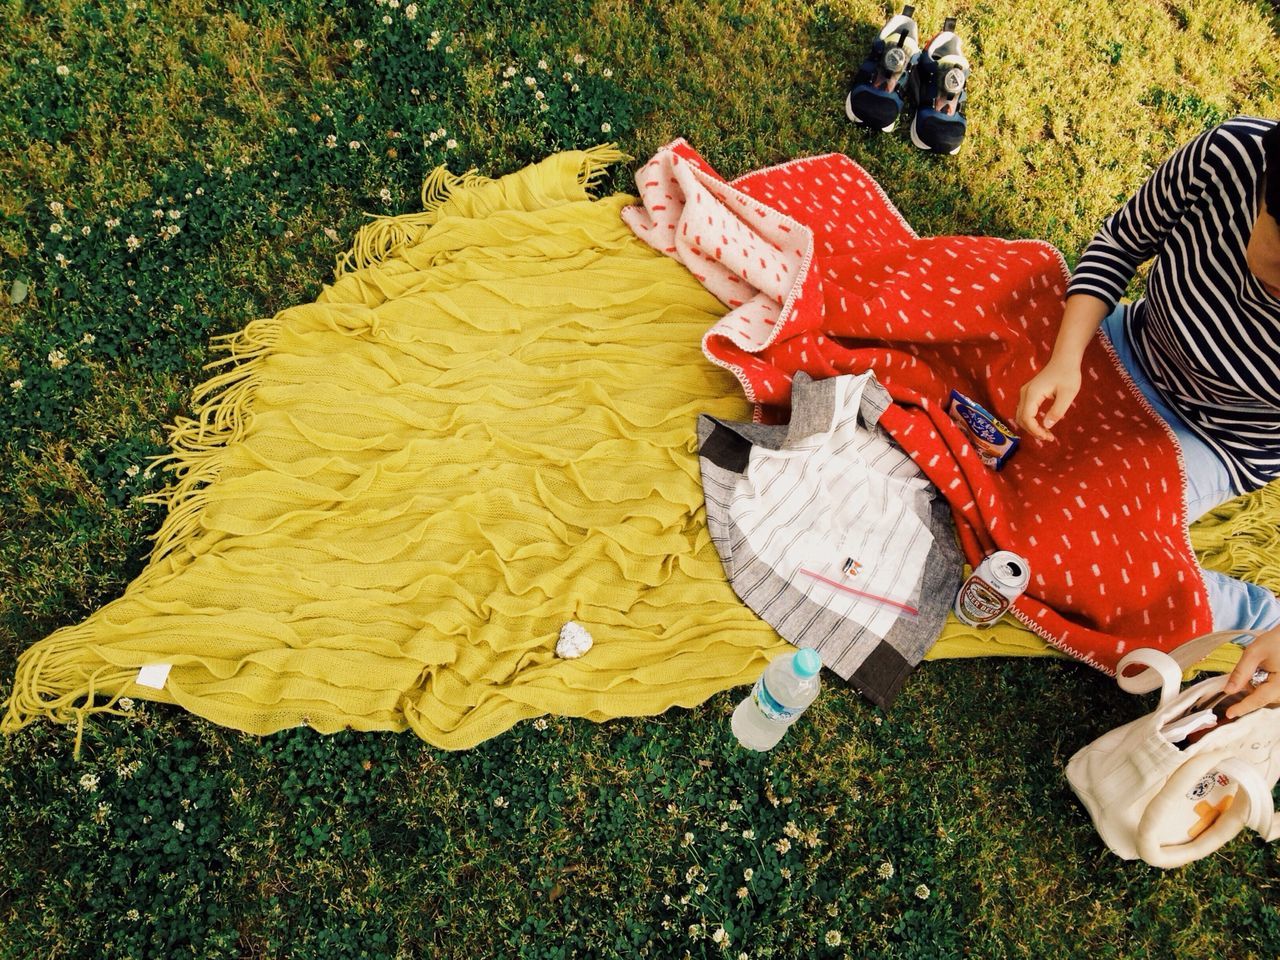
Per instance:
{"type": "Point", "coordinates": [1157, 670]}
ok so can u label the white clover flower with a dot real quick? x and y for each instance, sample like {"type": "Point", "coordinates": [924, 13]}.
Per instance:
{"type": "Point", "coordinates": [734, 805]}
{"type": "Point", "coordinates": [393, 4]}
{"type": "Point", "coordinates": [386, 19]}
{"type": "Point", "coordinates": [16, 385]}
{"type": "Point", "coordinates": [63, 70]}
{"type": "Point", "coordinates": [530, 82]}
{"type": "Point", "coordinates": [700, 889]}
{"type": "Point", "coordinates": [353, 145]}
{"type": "Point", "coordinates": [55, 228]}
{"type": "Point", "coordinates": [132, 242]}
{"type": "Point", "coordinates": [111, 223]}
{"type": "Point", "coordinates": [85, 231]}
{"type": "Point", "coordinates": [359, 45]}
{"type": "Point", "coordinates": [694, 930]}
{"type": "Point", "coordinates": [506, 84]}
{"type": "Point", "coordinates": [510, 72]}
{"type": "Point", "coordinates": [785, 873]}
{"type": "Point", "coordinates": [62, 260]}
{"type": "Point", "coordinates": [132, 470]}
{"type": "Point", "coordinates": [833, 910]}
{"type": "Point", "coordinates": [783, 845]}
{"type": "Point", "coordinates": [791, 830]}
{"type": "Point", "coordinates": [579, 59]}
{"type": "Point", "coordinates": [56, 208]}
{"type": "Point", "coordinates": [833, 938]}
{"type": "Point", "coordinates": [501, 802]}
{"type": "Point", "coordinates": [88, 338]}
{"type": "Point", "coordinates": [226, 171]}
{"type": "Point", "coordinates": [742, 893]}
{"type": "Point", "coordinates": [331, 141]}
{"type": "Point", "coordinates": [575, 88]}
{"type": "Point", "coordinates": [542, 65]}
{"type": "Point", "coordinates": [687, 840]}
{"type": "Point", "coordinates": [692, 873]}
{"type": "Point", "coordinates": [126, 703]}
{"type": "Point", "coordinates": [748, 834]}
{"type": "Point", "coordinates": [411, 12]}
{"type": "Point", "coordinates": [719, 935]}
{"type": "Point", "coordinates": [173, 229]}
{"type": "Point", "coordinates": [451, 144]}
{"type": "Point", "coordinates": [384, 195]}
{"type": "Point", "coordinates": [666, 899]}
{"type": "Point", "coordinates": [747, 874]}
{"type": "Point", "coordinates": [543, 107]}
{"type": "Point", "coordinates": [58, 360]}
{"type": "Point", "coordinates": [606, 72]}
{"type": "Point", "coordinates": [331, 233]}
{"type": "Point", "coordinates": [133, 914]}
{"type": "Point", "coordinates": [415, 91]}
{"type": "Point", "coordinates": [540, 723]}
{"type": "Point", "coordinates": [89, 782]}
{"type": "Point", "coordinates": [175, 214]}
{"type": "Point", "coordinates": [539, 95]}
{"type": "Point", "coordinates": [885, 870]}
{"type": "Point", "coordinates": [157, 213]}
{"type": "Point", "coordinates": [200, 190]}
{"type": "Point", "coordinates": [179, 826]}
{"type": "Point", "coordinates": [922, 892]}
{"type": "Point", "coordinates": [606, 127]}
{"type": "Point", "coordinates": [435, 36]}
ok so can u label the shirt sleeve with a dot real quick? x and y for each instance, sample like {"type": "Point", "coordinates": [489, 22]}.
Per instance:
{"type": "Point", "coordinates": [1134, 233]}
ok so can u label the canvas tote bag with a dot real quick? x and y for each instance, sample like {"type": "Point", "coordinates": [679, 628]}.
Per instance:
{"type": "Point", "coordinates": [1170, 806]}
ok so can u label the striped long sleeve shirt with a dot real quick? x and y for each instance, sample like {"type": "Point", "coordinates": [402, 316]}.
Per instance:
{"type": "Point", "coordinates": [1207, 333]}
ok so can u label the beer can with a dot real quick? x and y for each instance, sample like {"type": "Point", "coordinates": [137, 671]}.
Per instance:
{"type": "Point", "coordinates": [990, 589]}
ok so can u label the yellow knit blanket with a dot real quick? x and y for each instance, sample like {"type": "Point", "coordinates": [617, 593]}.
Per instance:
{"type": "Point", "coordinates": [390, 500]}
{"type": "Point", "coordinates": [393, 499]}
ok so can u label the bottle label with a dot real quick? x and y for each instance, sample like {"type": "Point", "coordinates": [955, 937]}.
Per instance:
{"type": "Point", "coordinates": [770, 707]}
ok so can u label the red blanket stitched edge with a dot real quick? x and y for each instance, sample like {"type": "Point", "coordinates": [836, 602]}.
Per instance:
{"type": "Point", "coordinates": [821, 273]}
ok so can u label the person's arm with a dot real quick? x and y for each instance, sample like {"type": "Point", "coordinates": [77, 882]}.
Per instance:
{"type": "Point", "coordinates": [1059, 381]}
{"type": "Point", "coordinates": [1129, 237]}
{"type": "Point", "coordinates": [1263, 653]}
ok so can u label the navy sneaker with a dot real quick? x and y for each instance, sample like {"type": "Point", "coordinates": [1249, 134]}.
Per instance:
{"type": "Point", "coordinates": [875, 97]}
{"type": "Point", "coordinates": [938, 88]}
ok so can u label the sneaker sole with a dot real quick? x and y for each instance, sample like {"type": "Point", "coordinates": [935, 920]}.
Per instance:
{"type": "Point", "coordinates": [924, 146]}
{"type": "Point", "coordinates": [848, 112]}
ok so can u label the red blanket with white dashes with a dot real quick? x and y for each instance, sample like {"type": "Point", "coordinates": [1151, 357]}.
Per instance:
{"type": "Point", "coordinates": [821, 273]}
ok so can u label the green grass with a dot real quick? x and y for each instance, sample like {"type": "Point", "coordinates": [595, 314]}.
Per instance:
{"type": "Point", "coordinates": [560, 838]}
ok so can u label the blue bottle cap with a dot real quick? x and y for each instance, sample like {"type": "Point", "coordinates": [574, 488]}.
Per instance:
{"type": "Point", "coordinates": [806, 663]}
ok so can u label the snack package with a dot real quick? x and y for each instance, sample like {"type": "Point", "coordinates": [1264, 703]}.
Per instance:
{"type": "Point", "coordinates": [993, 441]}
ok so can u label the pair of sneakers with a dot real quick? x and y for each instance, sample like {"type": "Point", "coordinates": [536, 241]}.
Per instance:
{"type": "Point", "coordinates": [897, 71]}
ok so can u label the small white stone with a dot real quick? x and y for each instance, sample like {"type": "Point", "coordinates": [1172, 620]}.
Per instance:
{"type": "Point", "coordinates": [574, 641]}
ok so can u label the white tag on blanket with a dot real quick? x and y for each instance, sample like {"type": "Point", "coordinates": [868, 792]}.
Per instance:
{"type": "Point", "coordinates": [154, 675]}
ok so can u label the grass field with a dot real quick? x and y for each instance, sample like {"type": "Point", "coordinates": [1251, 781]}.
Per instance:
{"type": "Point", "coordinates": [171, 170]}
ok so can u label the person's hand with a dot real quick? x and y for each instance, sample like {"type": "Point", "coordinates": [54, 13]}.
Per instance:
{"type": "Point", "coordinates": [1263, 653]}
{"type": "Point", "coordinates": [1058, 382]}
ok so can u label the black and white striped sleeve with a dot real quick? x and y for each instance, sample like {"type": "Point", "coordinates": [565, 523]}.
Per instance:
{"type": "Point", "coordinates": [1133, 234]}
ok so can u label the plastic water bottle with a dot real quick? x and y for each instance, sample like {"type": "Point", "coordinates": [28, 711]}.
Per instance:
{"type": "Point", "coordinates": [787, 686]}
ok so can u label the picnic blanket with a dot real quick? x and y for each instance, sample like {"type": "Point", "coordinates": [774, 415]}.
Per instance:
{"type": "Point", "coordinates": [821, 273]}
{"type": "Point", "coordinates": [388, 502]}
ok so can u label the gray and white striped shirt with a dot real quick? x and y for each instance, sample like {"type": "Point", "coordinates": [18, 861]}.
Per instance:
{"type": "Point", "coordinates": [1207, 333]}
